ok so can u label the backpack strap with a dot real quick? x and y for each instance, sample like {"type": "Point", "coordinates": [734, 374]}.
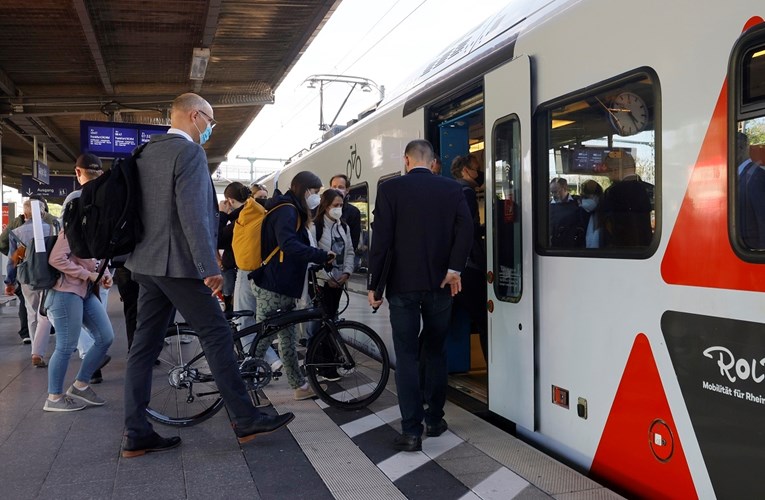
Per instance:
{"type": "Point", "coordinates": [277, 249]}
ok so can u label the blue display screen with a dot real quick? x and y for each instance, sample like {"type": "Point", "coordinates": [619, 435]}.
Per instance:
{"type": "Point", "coordinates": [115, 140]}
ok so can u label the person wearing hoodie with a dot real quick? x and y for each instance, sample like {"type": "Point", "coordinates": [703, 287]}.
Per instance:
{"type": "Point", "coordinates": [279, 283]}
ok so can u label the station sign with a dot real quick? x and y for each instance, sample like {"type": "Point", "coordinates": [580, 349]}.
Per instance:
{"type": "Point", "coordinates": [59, 186]}
{"type": "Point", "coordinates": [6, 215]}
{"type": "Point", "coordinates": [115, 140]}
{"type": "Point", "coordinates": [40, 172]}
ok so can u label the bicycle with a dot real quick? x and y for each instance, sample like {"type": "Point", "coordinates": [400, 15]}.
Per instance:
{"type": "Point", "coordinates": [353, 166]}
{"type": "Point", "coordinates": [184, 391]}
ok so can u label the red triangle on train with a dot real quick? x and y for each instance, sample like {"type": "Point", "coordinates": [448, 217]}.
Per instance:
{"type": "Point", "coordinates": [640, 448]}
{"type": "Point", "coordinates": [699, 252]}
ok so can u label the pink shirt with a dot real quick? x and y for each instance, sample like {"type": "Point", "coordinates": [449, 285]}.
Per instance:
{"type": "Point", "coordinates": [74, 270]}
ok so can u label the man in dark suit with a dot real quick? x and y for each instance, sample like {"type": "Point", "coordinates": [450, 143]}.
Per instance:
{"type": "Point", "coordinates": [423, 233]}
{"type": "Point", "coordinates": [175, 265]}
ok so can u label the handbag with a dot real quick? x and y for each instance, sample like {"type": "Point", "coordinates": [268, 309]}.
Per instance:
{"type": "Point", "coordinates": [35, 270]}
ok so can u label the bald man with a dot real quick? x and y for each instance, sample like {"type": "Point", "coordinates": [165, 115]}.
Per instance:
{"type": "Point", "coordinates": [175, 265]}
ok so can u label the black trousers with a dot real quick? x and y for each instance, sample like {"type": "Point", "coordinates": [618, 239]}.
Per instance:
{"type": "Point", "coordinates": [24, 330]}
{"type": "Point", "coordinates": [192, 298]}
{"type": "Point", "coordinates": [473, 299]}
{"type": "Point", "coordinates": [421, 370]}
{"type": "Point", "coordinates": [128, 290]}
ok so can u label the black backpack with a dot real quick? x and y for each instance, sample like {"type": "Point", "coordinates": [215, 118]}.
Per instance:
{"type": "Point", "coordinates": [103, 221]}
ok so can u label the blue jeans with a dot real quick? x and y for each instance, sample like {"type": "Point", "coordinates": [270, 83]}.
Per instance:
{"type": "Point", "coordinates": [69, 313]}
{"type": "Point", "coordinates": [421, 369]}
{"type": "Point", "coordinates": [86, 338]}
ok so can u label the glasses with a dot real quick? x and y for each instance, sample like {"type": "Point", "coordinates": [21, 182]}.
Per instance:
{"type": "Point", "coordinates": [213, 123]}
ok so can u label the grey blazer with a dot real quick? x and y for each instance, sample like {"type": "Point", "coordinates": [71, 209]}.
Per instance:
{"type": "Point", "coordinates": [179, 211]}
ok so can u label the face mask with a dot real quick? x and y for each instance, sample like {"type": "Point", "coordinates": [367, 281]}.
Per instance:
{"type": "Point", "coordinates": [336, 212]}
{"type": "Point", "coordinates": [312, 200]}
{"type": "Point", "coordinates": [204, 136]}
{"type": "Point", "coordinates": [590, 204]}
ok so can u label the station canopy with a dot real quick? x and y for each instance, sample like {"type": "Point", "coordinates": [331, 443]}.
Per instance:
{"type": "Point", "coordinates": [63, 61]}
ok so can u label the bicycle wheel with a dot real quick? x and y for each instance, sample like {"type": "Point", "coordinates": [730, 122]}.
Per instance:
{"type": "Point", "coordinates": [183, 390]}
{"type": "Point", "coordinates": [347, 383]}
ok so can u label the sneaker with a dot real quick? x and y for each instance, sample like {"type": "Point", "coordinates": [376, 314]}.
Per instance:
{"type": "Point", "coordinates": [301, 394]}
{"type": "Point", "coordinates": [277, 365]}
{"type": "Point", "coordinates": [26, 340]}
{"type": "Point", "coordinates": [38, 361]}
{"type": "Point", "coordinates": [87, 396]}
{"type": "Point", "coordinates": [63, 404]}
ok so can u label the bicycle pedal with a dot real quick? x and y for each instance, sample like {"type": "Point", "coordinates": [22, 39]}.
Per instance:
{"type": "Point", "coordinates": [275, 375]}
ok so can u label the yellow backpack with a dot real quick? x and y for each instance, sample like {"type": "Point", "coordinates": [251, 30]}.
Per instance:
{"type": "Point", "coordinates": [246, 243]}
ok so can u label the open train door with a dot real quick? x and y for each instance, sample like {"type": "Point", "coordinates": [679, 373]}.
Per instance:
{"type": "Point", "coordinates": [507, 97]}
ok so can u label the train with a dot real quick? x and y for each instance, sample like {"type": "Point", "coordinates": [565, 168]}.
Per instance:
{"type": "Point", "coordinates": [639, 359]}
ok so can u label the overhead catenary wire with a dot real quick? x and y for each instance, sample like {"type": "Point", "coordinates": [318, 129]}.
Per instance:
{"type": "Point", "coordinates": [303, 103]}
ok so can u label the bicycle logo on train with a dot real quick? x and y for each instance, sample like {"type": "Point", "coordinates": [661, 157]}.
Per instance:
{"type": "Point", "coordinates": [353, 165]}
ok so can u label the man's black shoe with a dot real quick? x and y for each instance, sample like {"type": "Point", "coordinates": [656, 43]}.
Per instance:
{"type": "Point", "coordinates": [436, 430]}
{"type": "Point", "coordinates": [405, 442]}
{"type": "Point", "coordinates": [264, 425]}
{"type": "Point", "coordinates": [135, 447]}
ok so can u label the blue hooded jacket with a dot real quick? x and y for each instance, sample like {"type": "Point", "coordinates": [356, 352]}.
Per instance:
{"type": "Point", "coordinates": [286, 274]}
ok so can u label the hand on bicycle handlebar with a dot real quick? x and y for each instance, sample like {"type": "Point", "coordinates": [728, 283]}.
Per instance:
{"type": "Point", "coordinates": [331, 258]}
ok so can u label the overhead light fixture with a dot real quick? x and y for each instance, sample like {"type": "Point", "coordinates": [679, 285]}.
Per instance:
{"type": "Point", "coordinates": [478, 146]}
{"type": "Point", "coordinates": [561, 123]}
{"type": "Point", "coordinates": [366, 88]}
{"type": "Point", "coordinates": [199, 61]}
{"type": "Point", "coordinates": [311, 84]}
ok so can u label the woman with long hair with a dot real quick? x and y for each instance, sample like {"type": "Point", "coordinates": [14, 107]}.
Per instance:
{"type": "Point", "coordinates": [73, 303]}
{"type": "Point", "coordinates": [333, 234]}
{"type": "Point", "coordinates": [279, 283]}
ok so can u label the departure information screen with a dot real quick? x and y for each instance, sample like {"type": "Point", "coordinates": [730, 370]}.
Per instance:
{"type": "Point", "coordinates": [115, 140]}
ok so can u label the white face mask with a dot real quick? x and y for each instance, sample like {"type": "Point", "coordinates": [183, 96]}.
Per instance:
{"type": "Point", "coordinates": [590, 204]}
{"type": "Point", "coordinates": [312, 200]}
{"type": "Point", "coordinates": [335, 213]}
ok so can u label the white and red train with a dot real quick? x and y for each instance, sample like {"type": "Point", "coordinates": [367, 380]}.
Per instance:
{"type": "Point", "coordinates": [642, 359]}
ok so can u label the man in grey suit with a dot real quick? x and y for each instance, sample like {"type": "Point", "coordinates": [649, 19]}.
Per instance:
{"type": "Point", "coordinates": [175, 265]}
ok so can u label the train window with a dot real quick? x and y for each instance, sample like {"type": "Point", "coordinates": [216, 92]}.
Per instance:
{"type": "Point", "coordinates": [507, 218]}
{"type": "Point", "coordinates": [598, 169]}
{"type": "Point", "coordinates": [747, 145]}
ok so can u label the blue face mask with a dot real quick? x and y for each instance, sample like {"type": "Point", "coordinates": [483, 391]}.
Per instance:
{"type": "Point", "coordinates": [205, 136]}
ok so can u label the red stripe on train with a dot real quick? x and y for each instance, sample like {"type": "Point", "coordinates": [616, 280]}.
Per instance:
{"type": "Point", "coordinates": [699, 252]}
{"type": "Point", "coordinates": [640, 448]}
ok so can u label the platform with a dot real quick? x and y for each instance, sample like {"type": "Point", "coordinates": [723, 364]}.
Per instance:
{"type": "Point", "coordinates": [324, 454]}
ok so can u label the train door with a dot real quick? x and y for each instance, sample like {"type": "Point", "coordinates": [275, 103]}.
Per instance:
{"type": "Point", "coordinates": [507, 98]}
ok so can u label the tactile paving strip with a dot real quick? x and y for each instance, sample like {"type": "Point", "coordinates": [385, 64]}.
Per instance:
{"type": "Point", "coordinates": [344, 468]}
